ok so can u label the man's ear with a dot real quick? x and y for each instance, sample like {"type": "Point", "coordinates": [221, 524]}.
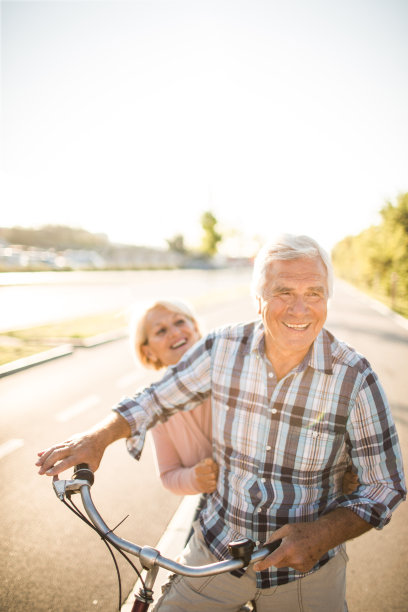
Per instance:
{"type": "Point", "coordinates": [258, 299]}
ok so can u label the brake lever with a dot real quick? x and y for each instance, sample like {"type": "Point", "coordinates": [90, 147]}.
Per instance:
{"type": "Point", "coordinates": [61, 487]}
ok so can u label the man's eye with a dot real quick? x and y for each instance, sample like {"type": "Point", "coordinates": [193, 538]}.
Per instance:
{"type": "Point", "coordinates": [180, 321]}
{"type": "Point", "coordinates": [161, 331]}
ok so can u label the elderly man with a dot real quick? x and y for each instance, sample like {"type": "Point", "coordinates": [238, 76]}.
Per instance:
{"type": "Point", "coordinates": [293, 409]}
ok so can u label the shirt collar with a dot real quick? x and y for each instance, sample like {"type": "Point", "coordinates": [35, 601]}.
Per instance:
{"type": "Point", "coordinates": [321, 354]}
{"type": "Point", "coordinates": [256, 343]}
{"type": "Point", "coordinates": [319, 357]}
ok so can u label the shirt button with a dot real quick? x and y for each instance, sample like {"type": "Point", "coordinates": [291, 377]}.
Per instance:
{"type": "Point", "coordinates": [268, 447]}
{"type": "Point", "coordinates": [315, 434]}
{"type": "Point", "coordinates": [259, 510]}
{"type": "Point", "coordinates": [257, 542]}
{"type": "Point", "coordinates": [263, 479]}
{"type": "Point", "coordinates": [270, 375]}
{"type": "Point", "coordinates": [274, 411]}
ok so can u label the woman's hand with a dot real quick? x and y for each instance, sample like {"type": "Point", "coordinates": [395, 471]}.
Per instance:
{"type": "Point", "coordinates": [350, 483]}
{"type": "Point", "coordinates": [206, 474]}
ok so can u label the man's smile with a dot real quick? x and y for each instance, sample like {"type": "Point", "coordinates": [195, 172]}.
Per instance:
{"type": "Point", "coordinates": [301, 327]}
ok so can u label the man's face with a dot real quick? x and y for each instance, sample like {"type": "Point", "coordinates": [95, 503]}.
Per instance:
{"type": "Point", "coordinates": [294, 305]}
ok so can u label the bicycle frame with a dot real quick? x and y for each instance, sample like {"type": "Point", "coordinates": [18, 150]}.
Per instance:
{"type": "Point", "coordinates": [150, 558]}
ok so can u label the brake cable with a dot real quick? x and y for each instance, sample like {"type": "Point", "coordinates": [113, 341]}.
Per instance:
{"type": "Point", "coordinates": [74, 508]}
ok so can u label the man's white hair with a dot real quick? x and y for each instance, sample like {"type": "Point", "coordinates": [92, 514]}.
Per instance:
{"type": "Point", "coordinates": [288, 246]}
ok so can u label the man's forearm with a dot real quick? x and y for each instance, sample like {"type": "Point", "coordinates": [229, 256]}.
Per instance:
{"type": "Point", "coordinates": [112, 428]}
{"type": "Point", "coordinates": [87, 447]}
{"type": "Point", "coordinates": [341, 525]}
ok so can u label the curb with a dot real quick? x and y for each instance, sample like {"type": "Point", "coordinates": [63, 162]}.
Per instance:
{"type": "Point", "coordinates": [27, 362]}
{"type": "Point", "coordinates": [61, 351]}
{"type": "Point", "coordinates": [377, 305]}
{"type": "Point", "coordinates": [170, 545]}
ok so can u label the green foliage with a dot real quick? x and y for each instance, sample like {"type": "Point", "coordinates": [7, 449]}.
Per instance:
{"type": "Point", "coordinates": [377, 259]}
{"type": "Point", "coordinates": [211, 237]}
{"type": "Point", "coordinates": [59, 237]}
{"type": "Point", "coordinates": [176, 244]}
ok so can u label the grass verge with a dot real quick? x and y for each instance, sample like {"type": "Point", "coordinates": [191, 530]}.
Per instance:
{"type": "Point", "coordinates": [16, 344]}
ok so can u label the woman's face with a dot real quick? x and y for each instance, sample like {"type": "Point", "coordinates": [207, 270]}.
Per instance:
{"type": "Point", "coordinates": [169, 335]}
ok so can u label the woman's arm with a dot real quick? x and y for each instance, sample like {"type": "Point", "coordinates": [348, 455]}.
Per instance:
{"type": "Point", "coordinates": [177, 478]}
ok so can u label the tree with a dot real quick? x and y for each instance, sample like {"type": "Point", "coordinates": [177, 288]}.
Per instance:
{"type": "Point", "coordinates": [176, 244]}
{"type": "Point", "coordinates": [377, 259]}
{"type": "Point", "coordinates": [59, 237]}
{"type": "Point", "coordinates": [211, 237]}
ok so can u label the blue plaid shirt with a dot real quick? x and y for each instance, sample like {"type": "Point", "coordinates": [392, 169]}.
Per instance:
{"type": "Point", "coordinates": [282, 446]}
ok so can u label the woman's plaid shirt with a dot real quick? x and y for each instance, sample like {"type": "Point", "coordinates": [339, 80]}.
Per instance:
{"type": "Point", "coordinates": [282, 446]}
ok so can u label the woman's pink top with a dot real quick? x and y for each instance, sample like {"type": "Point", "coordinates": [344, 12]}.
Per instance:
{"type": "Point", "coordinates": [181, 442]}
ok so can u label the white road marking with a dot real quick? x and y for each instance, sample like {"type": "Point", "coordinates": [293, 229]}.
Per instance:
{"type": "Point", "coordinates": [84, 404]}
{"type": "Point", "coordinates": [10, 446]}
{"type": "Point", "coordinates": [378, 306]}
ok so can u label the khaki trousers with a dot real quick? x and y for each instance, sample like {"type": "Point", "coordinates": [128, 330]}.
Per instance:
{"type": "Point", "coordinates": [322, 591]}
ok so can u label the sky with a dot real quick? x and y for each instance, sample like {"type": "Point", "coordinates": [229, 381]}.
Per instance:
{"type": "Point", "coordinates": [132, 118]}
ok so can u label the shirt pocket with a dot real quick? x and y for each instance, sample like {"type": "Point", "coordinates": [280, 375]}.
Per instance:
{"type": "Point", "coordinates": [311, 454]}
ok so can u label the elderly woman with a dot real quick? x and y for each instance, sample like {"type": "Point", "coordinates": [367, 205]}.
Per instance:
{"type": "Point", "coordinates": [160, 337]}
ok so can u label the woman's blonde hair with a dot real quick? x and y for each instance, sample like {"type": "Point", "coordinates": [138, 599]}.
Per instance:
{"type": "Point", "coordinates": [138, 335]}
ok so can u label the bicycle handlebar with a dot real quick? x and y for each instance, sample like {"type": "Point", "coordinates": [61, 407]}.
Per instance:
{"type": "Point", "coordinates": [82, 481]}
{"type": "Point", "coordinates": [83, 472]}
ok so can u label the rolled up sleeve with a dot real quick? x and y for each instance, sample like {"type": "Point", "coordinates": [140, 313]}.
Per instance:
{"type": "Point", "coordinates": [183, 387]}
{"type": "Point", "coordinates": [376, 456]}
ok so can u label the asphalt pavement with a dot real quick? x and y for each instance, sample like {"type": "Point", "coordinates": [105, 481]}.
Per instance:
{"type": "Point", "coordinates": [376, 573]}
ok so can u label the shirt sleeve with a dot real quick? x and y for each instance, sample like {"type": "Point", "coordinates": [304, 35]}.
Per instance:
{"type": "Point", "coordinates": [376, 456]}
{"type": "Point", "coordinates": [174, 476]}
{"type": "Point", "coordinates": [183, 387]}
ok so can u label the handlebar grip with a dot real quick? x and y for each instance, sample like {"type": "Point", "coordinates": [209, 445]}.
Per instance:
{"type": "Point", "coordinates": [272, 546]}
{"type": "Point", "coordinates": [82, 471]}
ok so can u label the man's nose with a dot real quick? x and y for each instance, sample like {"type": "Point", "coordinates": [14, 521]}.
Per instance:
{"type": "Point", "coordinates": [298, 305]}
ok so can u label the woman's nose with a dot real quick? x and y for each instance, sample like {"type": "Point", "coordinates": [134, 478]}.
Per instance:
{"type": "Point", "coordinates": [174, 331]}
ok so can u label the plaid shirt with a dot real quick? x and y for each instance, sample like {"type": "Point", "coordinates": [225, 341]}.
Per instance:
{"type": "Point", "coordinates": [282, 446]}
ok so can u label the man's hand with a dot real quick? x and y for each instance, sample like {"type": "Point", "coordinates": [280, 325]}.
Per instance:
{"type": "Point", "coordinates": [80, 448]}
{"type": "Point", "coordinates": [87, 447]}
{"type": "Point", "coordinates": [206, 474]}
{"type": "Point", "coordinates": [301, 548]}
{"type": "Point", "coordinates": [303, 544]}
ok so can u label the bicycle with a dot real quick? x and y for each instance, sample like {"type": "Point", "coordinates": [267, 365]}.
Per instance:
{"type": "Point", "coordinates": [242, 552]}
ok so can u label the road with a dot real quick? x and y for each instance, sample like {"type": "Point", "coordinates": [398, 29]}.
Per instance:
{"type": "Point", "coordinates": [51, 562]}
{"type": "Point", "coordinates": [36, 298]}
{"type": "Point", "coordinates": [377, 579]}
